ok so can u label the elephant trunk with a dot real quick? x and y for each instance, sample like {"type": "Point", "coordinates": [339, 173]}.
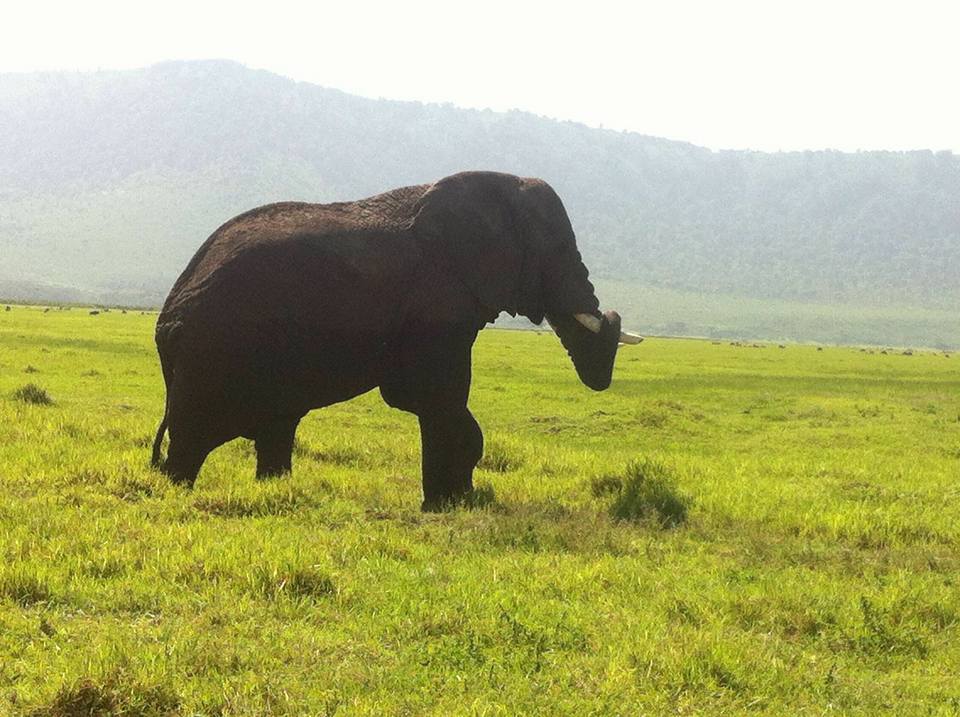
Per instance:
{"type": "Point", "coordinates": [591, 341]}
{"type": "Point", "coordinates": [589, 336]}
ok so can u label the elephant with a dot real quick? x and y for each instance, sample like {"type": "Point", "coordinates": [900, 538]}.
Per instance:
{"type": "Point", "coordinates": [295, 306]}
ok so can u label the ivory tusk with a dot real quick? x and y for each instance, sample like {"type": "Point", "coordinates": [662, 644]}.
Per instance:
{"type": "Point", "coordinates": [590, 321]}
{"type": "Point", "coordinates": [626, 338]}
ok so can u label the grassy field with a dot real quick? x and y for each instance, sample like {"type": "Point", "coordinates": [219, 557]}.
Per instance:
{"type": "Point", "coordinates": [728, 529]}
{"type": "Point", "coordinates": [719, 316]}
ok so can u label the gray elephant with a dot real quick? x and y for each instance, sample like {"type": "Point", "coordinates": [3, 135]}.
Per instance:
{"type": "Point", "coordinates": [296, 306]}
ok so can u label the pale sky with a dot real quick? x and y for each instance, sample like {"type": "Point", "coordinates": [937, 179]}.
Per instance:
{"type": "Point", "coordinates": [771, 75]}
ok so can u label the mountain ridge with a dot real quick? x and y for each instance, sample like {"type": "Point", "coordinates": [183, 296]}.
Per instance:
{"type": "Point", "coordinates": [110, 180]}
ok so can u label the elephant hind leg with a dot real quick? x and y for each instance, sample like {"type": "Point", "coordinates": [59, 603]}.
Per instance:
{"type": "Point", "coordinates": [184, 458]}
{"type": "Point", "coordinates": [274, 444]}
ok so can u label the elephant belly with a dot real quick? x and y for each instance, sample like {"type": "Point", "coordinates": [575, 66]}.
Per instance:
{"type": "Point", "coordinates": [230, 386]}
{"type": "Point", "coordinates": [287, 327]}
{"type": "Point", "coordinates": [321, 374]}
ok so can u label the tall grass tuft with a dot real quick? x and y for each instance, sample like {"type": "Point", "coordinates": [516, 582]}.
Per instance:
{"type": "Point", "coordinates": [33, 394]}
{"type": "Point", "coordinates": [649, 488]}
{"type": "Point", "coordinates": [24, 588]}
{"type": "Point", "coordinates": [115, 695]}
{"type": "Point", "coordinates": [293, 582]}
{"type": "Point", "coordinates": [497, 458]}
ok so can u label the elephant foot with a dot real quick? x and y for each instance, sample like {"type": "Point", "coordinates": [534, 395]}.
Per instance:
{"type": "Point", "coordinates": [472, 499]}
{"type": "Point", "coordinates": [180, 479]}
{"type": "Point", "coordinates": [450, 501]}
{"type": "Point", "coordinates": [274, 472]}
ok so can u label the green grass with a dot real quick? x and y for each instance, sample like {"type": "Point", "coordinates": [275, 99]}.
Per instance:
{"type": "Point", "coordinates": [31, 393]}
{"type": "Point", "coordinates": [727, 529]}
{"type": "Point", "coordinates": [882, 321]}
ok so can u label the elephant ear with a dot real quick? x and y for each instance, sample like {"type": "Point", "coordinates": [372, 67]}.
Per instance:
{"type": "Point", "coordinates": [468, 223]}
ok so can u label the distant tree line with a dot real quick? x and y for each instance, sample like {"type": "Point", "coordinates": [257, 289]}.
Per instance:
{"type": "Point", "coordinates": [109, 181]}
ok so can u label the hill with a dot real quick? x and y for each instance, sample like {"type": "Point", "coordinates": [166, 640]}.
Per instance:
{"type": "Point", "coordinates": [110, 180]}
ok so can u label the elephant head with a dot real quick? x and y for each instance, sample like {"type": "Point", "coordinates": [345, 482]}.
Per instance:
{"type": "Point", "coordinates": [509, 241]}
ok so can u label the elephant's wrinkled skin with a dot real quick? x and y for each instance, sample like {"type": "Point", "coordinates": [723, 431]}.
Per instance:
{"type": "Point", "coordinates": [295, 306]}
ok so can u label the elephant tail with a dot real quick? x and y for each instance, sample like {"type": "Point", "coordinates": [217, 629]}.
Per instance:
{"type": "Point", "coordinates": [156, 460]}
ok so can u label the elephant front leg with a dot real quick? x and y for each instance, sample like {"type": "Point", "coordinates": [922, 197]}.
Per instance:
{"type": "Point", "coordinates": [430, 377]}
{"type": "Point", "coordinates": [274, 445]}
{"type": "Point", "coordinates": [451, 445]}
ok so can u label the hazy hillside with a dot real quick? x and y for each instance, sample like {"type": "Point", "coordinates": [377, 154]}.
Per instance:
{"type": "Point", "coordinates": [109, 181]}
